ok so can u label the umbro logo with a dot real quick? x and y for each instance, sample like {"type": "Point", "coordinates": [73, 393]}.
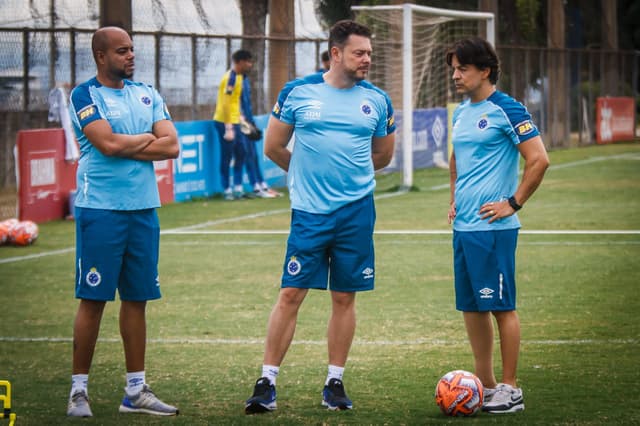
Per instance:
{"type": "Point", "coordinates": [367, 273]}
{"type": "Point", "coordinates": [486, 293]}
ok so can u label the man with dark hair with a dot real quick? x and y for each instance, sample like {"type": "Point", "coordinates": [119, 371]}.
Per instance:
{"type": "Point", "coordinates": [227, 123]}
{"type": "Point", "coordinates": [122, 127]}
{"type": "Point", "coordinates": [344, 131]}
{"type": "Point", "coordinates": [326, 61]}
{"type": "Point", "coordinates": [491, 131]}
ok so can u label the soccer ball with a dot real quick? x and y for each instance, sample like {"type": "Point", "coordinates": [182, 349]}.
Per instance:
{"type": "Point", "coordinates": [459, 393]}
{"type": "Point", "coordinates": [23, 233]}
{"type": "Point", "coordinates": [6, 226]}
{"type": "Point", "coordinates": [4, 233]}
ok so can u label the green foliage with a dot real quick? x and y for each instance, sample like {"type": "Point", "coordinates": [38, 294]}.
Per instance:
{"type": "Point", "coordinates": [578, 302]}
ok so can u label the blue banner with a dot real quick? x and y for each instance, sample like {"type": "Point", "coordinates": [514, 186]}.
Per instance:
{"type": "Point", "coordinates": [429, 140]}
{"type": "Point", "coordinates": [197, 170]}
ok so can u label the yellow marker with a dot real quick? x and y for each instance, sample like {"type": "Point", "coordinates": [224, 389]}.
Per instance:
{"type": "Point", "coordinates": [6, 403]}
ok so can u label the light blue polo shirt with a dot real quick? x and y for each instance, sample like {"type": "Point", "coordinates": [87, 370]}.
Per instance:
{"type": "Point", "coordinates": [485, 138]}
{"type": "Point", "coordinates": [331, 162]}
{"type": "Point", "coordinates": [115, 183]}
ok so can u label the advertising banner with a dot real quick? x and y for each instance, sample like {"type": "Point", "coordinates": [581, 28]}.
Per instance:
{"type": "Point", "coordinates": [45, 179]}
{"type": "Point", "coordinates": [429, 139]}
{"type": "Point", "coordinates": [615, 119]}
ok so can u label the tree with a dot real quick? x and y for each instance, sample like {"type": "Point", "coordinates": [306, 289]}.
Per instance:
{"type": "Point", "coordinates": [281, 49]}
{"type": "Point", "coordinates": [254, 17]}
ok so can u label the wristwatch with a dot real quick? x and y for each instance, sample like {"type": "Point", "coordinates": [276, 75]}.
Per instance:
{"type": "Point", "coordinates": [514, 204]}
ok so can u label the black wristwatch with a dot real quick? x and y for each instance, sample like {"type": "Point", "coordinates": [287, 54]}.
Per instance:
{"type": "Point", "coordinates": [514, 204]}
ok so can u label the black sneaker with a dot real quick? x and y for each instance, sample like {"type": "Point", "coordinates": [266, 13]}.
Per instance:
{"type": "Point", "coordinates": [334, 396]}
{"type": "Point", "coordinates": [263, 399]}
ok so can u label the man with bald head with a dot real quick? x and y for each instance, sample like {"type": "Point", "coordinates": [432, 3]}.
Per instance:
{"type": "Point", "coordinates": [122, 127]}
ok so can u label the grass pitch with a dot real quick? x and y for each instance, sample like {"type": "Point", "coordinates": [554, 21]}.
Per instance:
{"type": "Point", "coordinates": [220, 266]}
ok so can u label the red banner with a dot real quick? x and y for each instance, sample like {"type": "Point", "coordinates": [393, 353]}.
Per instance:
{"type": "Point", "coordinates": [164, 178]}
{"type": "Point", "coordinates": [45, 178]}
{"type": "Point", "coordinates": [615, 120]}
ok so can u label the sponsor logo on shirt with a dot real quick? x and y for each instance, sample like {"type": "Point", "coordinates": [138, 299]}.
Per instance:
{"type": "Point", "coordinates": [87, 112]}
{"type": "Point", "coordinates": [276, 109]}
{"type": "Point", "coordinates": [524, 128]}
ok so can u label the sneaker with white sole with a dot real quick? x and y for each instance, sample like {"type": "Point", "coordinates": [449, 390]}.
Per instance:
{"type": "Point", "coordinates": [261, 193]}
{"type": "Point", "coordinates": [487, 394]}
{"type": "Point", "coordinates": [148, 403]}
{"type": "Point", "coordinates": [263, 399]}
{"type": "Point", "coordinates": [79, 405]}
{"type": "Point", "coordinates": [334, 397]}
{"type": "Point", "coordinates": [506, 399]}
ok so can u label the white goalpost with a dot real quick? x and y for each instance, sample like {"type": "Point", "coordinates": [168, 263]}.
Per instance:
{"type": "Point", "coordinates": [422, 34]}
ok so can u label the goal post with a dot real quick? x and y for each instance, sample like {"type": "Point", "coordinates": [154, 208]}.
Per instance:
{"type": "Point", "coordinates": [422, 34]}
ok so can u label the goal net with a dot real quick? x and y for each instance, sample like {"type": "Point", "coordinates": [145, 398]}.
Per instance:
{"type": "Point", "coordinates": [409, 47]}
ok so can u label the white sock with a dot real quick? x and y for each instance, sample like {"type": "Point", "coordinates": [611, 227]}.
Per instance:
{"type": "Point", "coordinates": [270, 372]}
{"type": "Point", "coordinates": [79, 382]}
{"type": "Point", "coordinates": [264, 186]}
{"type": "Point", "coordinates": [334, 372]}
{"type": "Point", "coordinates": [135, 381]}
{"type": "Point", "coordinates": [238, 188]}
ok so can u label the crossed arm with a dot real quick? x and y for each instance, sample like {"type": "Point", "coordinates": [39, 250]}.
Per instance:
{"type": "Point", "coordinates": [160, 144]}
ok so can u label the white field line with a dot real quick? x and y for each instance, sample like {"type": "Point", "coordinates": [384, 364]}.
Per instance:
{"type": "Point", "coordinates": [356, 342]}
{"type": "Point", "coordinates": [184, 229]}
{"type": "Point", "coordinates": [625, 156]}
{"type": "Point", "coordinates": [412, 232]}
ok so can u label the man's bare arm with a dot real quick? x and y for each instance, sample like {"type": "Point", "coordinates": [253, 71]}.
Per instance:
{"type": "Point", "coordinates": [382, 150]}
{"type": "Point", "coordinates": [276, 139]}
{"type": "Point", "coordinates": [111, 144]}
{"type": "Point", "coordinates": [165, 146]}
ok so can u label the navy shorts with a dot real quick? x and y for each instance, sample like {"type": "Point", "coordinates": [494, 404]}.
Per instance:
{"type": "Point", "coordinates": [484, 265]}
{"type": "Point", "coordinates": [117, 250]}
{"type": "Point", "coordinates": [334, 249]}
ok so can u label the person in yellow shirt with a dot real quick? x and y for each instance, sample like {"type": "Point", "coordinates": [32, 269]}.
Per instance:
{"type": "Point", "coordinates": [227, 123]}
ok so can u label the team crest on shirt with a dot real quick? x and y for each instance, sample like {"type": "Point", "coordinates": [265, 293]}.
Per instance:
{"type": "Point", "coordinates": [365, 108]}
{"type": "Point", "coordinates": [483, 123]}
{"type": "Point", "coordinates": [293, 266]}
{"type": "Point", "coordinates": [524, 128]}
{"type": "Point", "coordinates": [93, 277]}
{"type": "Point", "coordinates": [145, 100]}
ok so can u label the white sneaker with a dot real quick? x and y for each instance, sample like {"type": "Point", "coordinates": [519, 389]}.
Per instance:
{"type": "Point", "coordinates": [487, 394]}
{"type": "Point", "coordinates": [79, 405]}
{"type": "Point", "coordinates": [261, 193]}
{"type": "Point", "coordinates": [146, 402]}
{"type": "Point", "coordinates": [505, 399]}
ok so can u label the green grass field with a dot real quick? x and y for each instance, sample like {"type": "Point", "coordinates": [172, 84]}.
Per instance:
{"type": "Point", "coordinates": [220, 266]}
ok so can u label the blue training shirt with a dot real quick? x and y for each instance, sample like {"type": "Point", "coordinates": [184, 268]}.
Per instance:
{"type": "Point", "coordinates": [115, 183]}
{"type": "Point", "coordinates": [485, 138]}
{"type": "Point", "coordinates": [331, 162]}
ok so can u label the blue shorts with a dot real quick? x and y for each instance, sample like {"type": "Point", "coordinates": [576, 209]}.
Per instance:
{"type": "Point", "coordinates": [484, 264]}
{"type": "Point", "coordinates": [117, 250]}
{"type": "Point", "coordinates": [334, 249]}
